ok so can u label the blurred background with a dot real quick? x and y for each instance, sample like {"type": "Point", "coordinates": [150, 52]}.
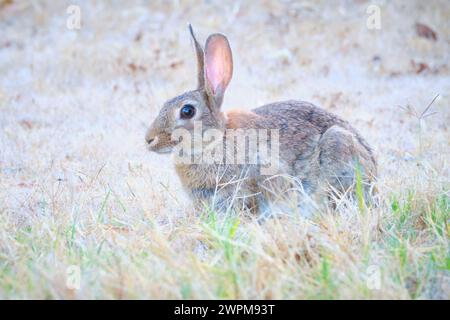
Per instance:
{"type": "Point", "coordinates": [80, 81]}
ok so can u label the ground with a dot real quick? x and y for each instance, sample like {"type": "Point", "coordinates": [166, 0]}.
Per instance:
{"type": "Point", "coordinates": [87, 212]}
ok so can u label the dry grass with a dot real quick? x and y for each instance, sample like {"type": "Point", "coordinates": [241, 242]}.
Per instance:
{"type": "Point", "coordinates": [77, 186]}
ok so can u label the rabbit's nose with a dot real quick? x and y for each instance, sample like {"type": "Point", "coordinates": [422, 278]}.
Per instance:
{"type": "Point", "coordinates": [149, 137]}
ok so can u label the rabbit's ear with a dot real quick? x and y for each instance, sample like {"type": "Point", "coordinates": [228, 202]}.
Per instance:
{"type": "Point", "coordinates": [200, 60]}
{"type": "Point", "coordinates": [218, 67]}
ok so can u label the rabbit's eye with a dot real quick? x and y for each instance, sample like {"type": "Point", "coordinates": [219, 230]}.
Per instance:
{"type": "Point", "coordinates": [187, 111]}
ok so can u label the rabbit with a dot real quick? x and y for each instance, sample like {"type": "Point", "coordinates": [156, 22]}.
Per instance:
{"type": "Point", "coordinates": [318, 149]}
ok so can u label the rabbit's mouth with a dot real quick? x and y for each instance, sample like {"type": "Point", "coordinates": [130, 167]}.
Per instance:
{"type": "Point", "coordinates": [159, 145]}
{"type": "Point", "coordinates": [160, 149]}
{"type": "Point", "coordinates": [164, 150]}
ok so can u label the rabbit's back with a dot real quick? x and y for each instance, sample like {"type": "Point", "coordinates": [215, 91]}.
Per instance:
{"type": "Point", "coordinates": [303, 120]}
{"type": "Point", "coordinates": [296, 113]}
{"type": "Point", "coordinates": [316, 145]}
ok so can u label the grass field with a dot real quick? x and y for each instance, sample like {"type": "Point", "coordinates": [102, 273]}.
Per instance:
{"type": "Point", "coordinates": [87, 212]}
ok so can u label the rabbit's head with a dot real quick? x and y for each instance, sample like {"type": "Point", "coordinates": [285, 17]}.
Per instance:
{"type": "Point", "coordinates": [215, 68]}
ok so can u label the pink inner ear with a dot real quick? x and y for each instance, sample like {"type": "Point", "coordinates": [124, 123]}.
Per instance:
{"type": "Point", "coordinates": [218, 63]}
{"type": "Point", "coordinates": [214, 72]}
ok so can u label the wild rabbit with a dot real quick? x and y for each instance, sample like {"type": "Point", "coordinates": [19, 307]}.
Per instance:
{"type": "Point", "coordinates": [315, 148]}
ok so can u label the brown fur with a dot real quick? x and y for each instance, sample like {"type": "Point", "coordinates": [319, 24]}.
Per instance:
{"type": "Point", "coordinates": [237, 119]}
{"type": "Point", "coordinates": [316, 147]}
